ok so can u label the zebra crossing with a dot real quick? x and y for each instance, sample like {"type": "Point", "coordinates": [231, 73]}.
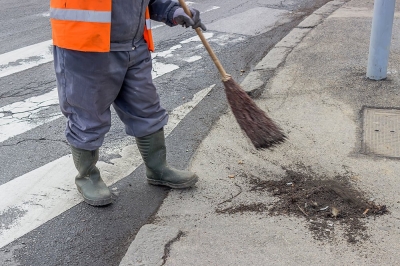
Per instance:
{"type": "Point", "coordinates": [47, 191]}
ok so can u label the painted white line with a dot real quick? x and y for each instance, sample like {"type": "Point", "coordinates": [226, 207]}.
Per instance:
{"type": "Point", "coordinates": [160, 69]}
{"type": "Point", "coordinates": [40, 195]}
{"type": "Point", "coordinates": [19, 117]}
{"type": "Point", "coordinates": [207, 35]}
{"type": "Point", "coordinates": [157, 26]}
{"type": "Point", "coordinates": [180, 112]}
{"type": "Point", "coordinates": [192, 59]}
{"type": "Point", "coordinates": [167, 53]}
{"type": "Point", "coordinates": [211, 9]}
{"type": "Point", "coordinates": [25, 58]}
{"type": "Point", "coordinates": [45, 14]}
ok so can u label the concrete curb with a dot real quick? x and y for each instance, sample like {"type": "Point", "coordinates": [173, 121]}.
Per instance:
{"type": "Point", "coordinates": [255, 82]}
{"type": "Point", "coordinates": [150, 246]}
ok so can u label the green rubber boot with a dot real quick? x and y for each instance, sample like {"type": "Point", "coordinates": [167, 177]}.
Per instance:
{"type": "Point", "coordinates": [153, 151]}
{"type": "Point", "coordinates": [88, 181]}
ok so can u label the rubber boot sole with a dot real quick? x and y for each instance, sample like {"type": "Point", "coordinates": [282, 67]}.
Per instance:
{"type": "Point", "coordinates": [96, 203]}
{"type": "Point", "coordinates": [187, 184]}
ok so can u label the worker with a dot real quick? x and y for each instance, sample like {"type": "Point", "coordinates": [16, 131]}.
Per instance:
{"type": "Point", "coordinates": [102, 58]}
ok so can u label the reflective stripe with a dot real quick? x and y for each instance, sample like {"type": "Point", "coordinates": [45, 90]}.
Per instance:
{"type": "Point", "coordinates": [147, 34]}
{"type": "Point", "coordinates": [80, 15]}
{"type": "Point", "coordinates": [148, 24]}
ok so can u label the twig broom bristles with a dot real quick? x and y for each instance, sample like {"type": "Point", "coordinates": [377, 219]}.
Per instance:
{"type": "Point", "coordinates": [260, 129]}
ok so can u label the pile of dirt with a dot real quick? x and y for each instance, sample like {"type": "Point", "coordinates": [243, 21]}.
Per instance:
{"type": "Point", "coordinates": [323, 202]}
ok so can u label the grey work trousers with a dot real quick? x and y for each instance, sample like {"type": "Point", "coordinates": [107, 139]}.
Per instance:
{"type": "Point", "coordinates": [88, 83]}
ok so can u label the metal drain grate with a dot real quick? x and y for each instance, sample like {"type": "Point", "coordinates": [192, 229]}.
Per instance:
{"type": "Point", "coordinates": [381, 132]}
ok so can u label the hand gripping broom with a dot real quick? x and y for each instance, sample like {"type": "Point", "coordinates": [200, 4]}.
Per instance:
{"type": "Point", "coordinates": [260, 129]}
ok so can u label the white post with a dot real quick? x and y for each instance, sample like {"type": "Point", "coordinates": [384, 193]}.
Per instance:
{"type": "Point", "coordinates": [381, 35]}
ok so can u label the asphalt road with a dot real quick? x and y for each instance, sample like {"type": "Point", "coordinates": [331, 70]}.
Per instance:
{"type": "Point", "coordinates": [80, 234]}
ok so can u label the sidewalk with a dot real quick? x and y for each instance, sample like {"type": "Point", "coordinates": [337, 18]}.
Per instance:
{"type": "Point", "coordinates": [319, 95]}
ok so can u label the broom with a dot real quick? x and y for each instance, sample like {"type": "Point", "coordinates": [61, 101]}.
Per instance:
{"type": "Point", "coordinates": [260, 129]}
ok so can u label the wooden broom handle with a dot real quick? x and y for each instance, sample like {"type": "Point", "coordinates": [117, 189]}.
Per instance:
{"type": "Point", "coordinates": [203, 39]}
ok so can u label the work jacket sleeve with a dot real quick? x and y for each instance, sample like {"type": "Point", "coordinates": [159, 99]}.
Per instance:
{"type": "Point", "coordinates": [163, 11]}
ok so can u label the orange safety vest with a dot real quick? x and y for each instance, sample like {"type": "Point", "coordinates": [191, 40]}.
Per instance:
{"type": "Point", "coordinates": [86, 25]}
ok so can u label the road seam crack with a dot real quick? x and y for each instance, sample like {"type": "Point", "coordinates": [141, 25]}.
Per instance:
{"type": "Point", "coordinates": [167, 248]}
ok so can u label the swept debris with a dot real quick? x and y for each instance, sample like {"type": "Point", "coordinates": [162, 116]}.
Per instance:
{"type": "Point", "coordinates": [323, 202]}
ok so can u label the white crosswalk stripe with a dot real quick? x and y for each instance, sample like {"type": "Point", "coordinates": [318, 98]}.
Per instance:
{"type": "Point", "coordinates": [25, 58]}
{"type": "Point", "coordinates": [19, 117]}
